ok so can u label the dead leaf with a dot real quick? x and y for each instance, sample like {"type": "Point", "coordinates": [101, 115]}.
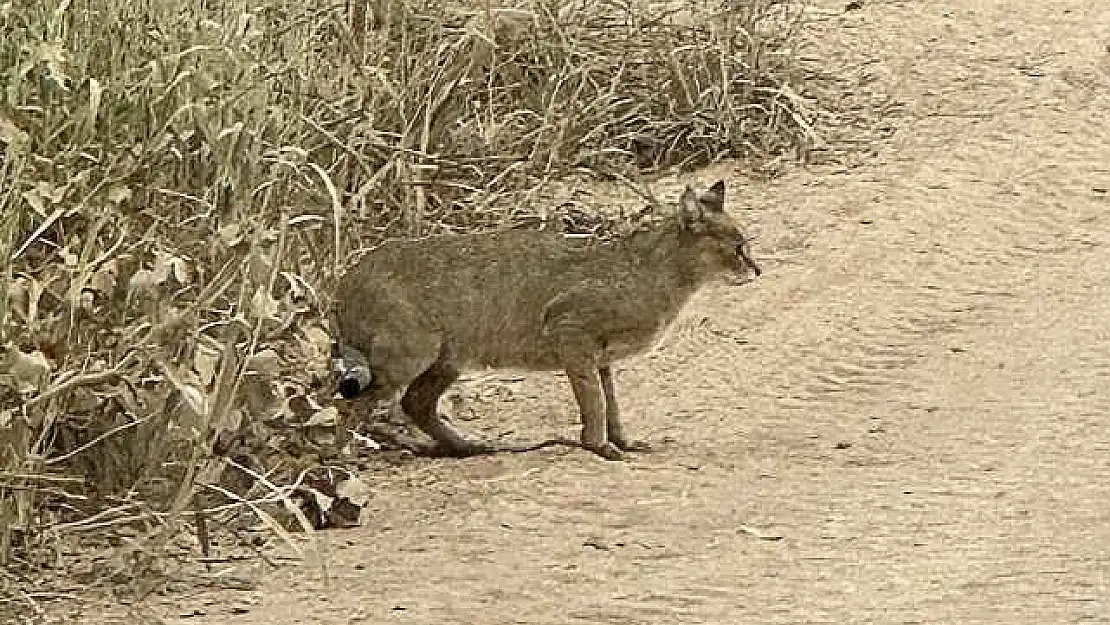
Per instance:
{"type": "Point", "coordinates": [86, 301]}
{"type": "Point", "coordinates": [55, 57]}
{"type": "Point", "coordinates": [266, 362]}
{"type": "Point", "coordinates": [118, 194]}
{"type": "Point", "coordinates": [103, 281]}
{"type": "Point", "coordinates": [327, 417]}
{"type": "Point", "coordinates": [260, 398]}
{"type": "Point", "coordinates": [147, 279]}
{"type": "Point", "coordinates": [364, 441]}
{"type": "Point", "coordinates": [69, 259]}
{"type": "Point", "coordinates": [262, 305]}
{"type": "Point", "coordinates": [231, 234]}
{"type": "Point", "coordinates": [30, 371]}
{"type": "Point", "coordinates": [354, 490]}
{"type": "Point", "coordinates": [206, 360]}
{"type": "Point", "coordinates": [194, 398]}
{"type": "Point", "coordinates": [228, 422]}
{"type": "Point", "coordinates": [751, 531]}
{"type": "Point", "coordinates": [19, 297]}
{"type": "Point", "coordinates": [36, 199]}
{"type": "Point", "coordinates": [259, 268]}
{"type": "Point", "coordinates": [318, 339]}
{"type": "Point", "coordinates": [181, 270]}
{"type": "Point", "coordinates": [11, 134]}
{"type": "Point", "coordinates": [301, 407]}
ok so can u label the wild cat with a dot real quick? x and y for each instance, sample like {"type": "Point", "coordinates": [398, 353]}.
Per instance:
{"type": "Point", "coordinates": [420, 311]}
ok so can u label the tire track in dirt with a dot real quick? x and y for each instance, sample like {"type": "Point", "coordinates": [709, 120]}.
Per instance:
{"type": "Point", "coordinates": [1005, 199]}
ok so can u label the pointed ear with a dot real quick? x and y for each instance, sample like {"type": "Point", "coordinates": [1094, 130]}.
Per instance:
{"type": "Point", "coordinates": [690, 215]}
{"type": "Point", "coordinates": [714, 199]}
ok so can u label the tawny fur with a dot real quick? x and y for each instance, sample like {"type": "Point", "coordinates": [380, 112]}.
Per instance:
{"type": "Point", "coordinates": [422, 310]}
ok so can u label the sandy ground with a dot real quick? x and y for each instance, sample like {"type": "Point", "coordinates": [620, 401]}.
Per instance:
{"type": "Point", "coordinates": [907, 420]}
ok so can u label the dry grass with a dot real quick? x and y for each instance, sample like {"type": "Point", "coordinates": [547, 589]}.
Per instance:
{"type": "Point", "coordinates": [182, 181]}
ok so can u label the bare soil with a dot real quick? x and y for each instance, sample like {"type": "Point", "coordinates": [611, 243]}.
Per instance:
{"type": "Point", "coordinates": [906, 420]}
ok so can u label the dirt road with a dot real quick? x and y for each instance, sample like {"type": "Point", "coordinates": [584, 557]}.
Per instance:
{"type": "Point", "coordinates": [907, 420]}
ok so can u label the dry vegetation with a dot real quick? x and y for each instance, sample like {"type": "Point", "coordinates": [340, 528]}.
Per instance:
{"type": "Point", "coordinates": [182, 181]}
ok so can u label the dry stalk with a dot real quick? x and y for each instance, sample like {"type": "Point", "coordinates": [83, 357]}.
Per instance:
{"type": "Point", "coordinates": [143, 178]}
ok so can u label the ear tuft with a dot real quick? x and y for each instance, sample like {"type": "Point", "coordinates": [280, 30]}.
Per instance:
{"type": "Point", "coordinates": [714, 199]}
